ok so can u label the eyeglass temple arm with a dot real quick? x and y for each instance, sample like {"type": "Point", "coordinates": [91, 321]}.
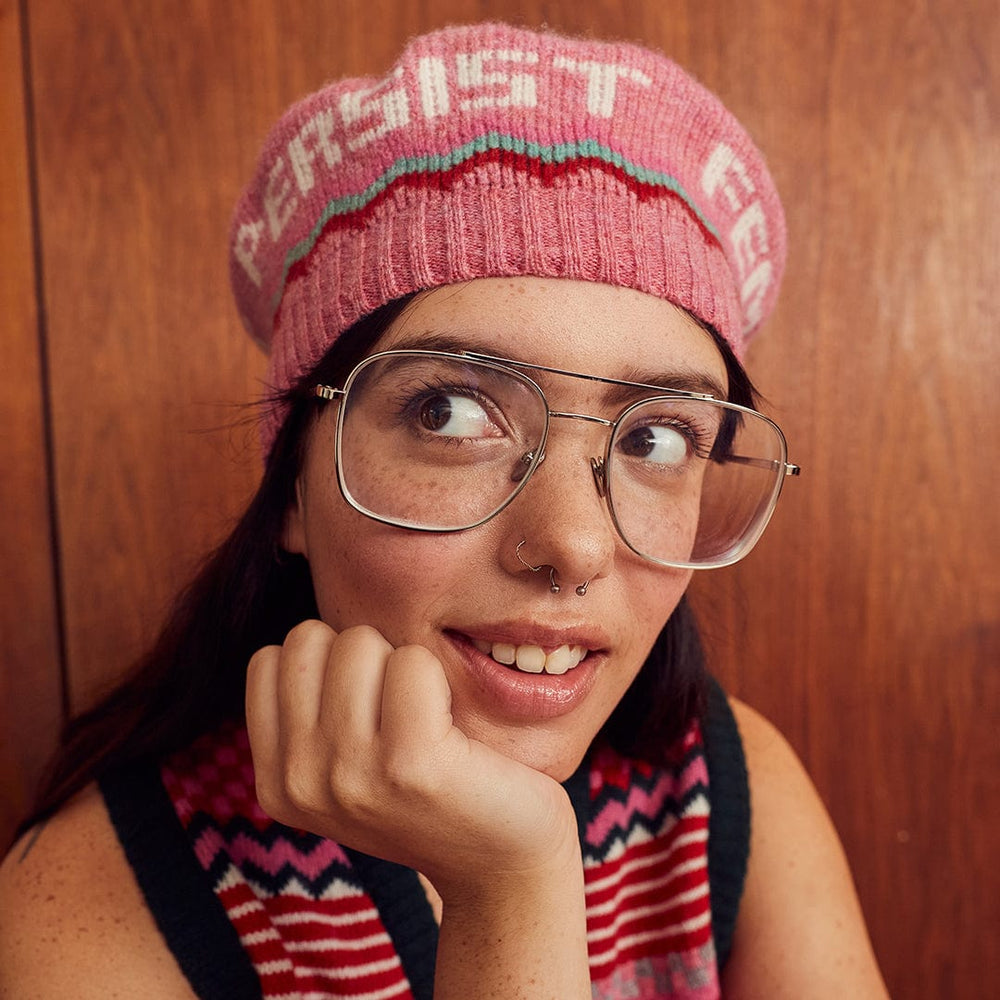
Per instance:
{"type": "Point", "coordinates": [764, 463]}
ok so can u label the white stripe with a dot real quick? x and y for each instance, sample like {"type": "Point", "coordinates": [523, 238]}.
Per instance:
{"type": "Point", "coordinates": [257, 937]}
{"type": "Point", "coordinates": [293, 886]}
{"type": "Point", "coordinates": [599, 934]}
{"type": "Point", "coordinates": [641, 835]}
{"type": "Point", "coordinates": [634, 888]}
{"type": "Point", "coordinates": [698, 806]}
{"type": "Point", "coordinates": [647, 860]}
{"type": "Point", "coordinates": [343, 972]}
{"type": "Point", "coordinates": [339, 944]}
{"type": "Point", "coordinates": [695, 923]}
{"type": "Point", "coordinates": [389, 991]}
{"type": "Point", "coordinates": [252, 906]}
{"type": "Point", "coordinates": [330, 919]}
{"type": "Point", "coordinates": [276, 965]}
{"type": "Point", "coordinates": [229, 879]}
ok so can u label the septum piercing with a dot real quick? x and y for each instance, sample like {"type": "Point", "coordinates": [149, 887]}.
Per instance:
{"type": "Point", "coordinates": [553, 586]}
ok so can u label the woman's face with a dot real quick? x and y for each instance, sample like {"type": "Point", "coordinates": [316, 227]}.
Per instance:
{"type": "Point", "coordinates": [465, 596]}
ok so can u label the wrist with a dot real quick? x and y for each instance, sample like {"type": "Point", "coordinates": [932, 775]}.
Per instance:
{"type": "Point", "coordinates": [527, 926]}
{"type": "Point", "coordinates": [543, 863]}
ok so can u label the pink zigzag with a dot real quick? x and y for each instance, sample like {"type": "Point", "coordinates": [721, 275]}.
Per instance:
{"type": "Point", "coordinates": [270, 859]}
{"type": "Point", "coordinates": [615, 814]}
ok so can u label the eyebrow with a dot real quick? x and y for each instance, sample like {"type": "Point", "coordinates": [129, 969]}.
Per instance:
{"type": "Point", "coordinates": [684, 380]}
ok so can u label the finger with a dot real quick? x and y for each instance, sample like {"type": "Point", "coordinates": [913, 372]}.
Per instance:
{"type": "Point", "coordinates": [352, 685]}
{"type": "Point", "coordinates": [262, 708]}
{"type": "Point", "coordinates": [300, 673]}
{"type": "Point", "coordinates": [416, 700]}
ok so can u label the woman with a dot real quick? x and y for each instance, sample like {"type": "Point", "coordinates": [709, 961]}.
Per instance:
{"type": "Point", "coordinates": [505, 289]}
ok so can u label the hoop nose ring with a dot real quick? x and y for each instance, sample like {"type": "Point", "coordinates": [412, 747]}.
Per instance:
{"type": "Point", "coordinates": [554, 587]}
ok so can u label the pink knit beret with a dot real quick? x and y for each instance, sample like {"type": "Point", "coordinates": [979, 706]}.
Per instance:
{"type": "Point", "coordinates": [490, 150]}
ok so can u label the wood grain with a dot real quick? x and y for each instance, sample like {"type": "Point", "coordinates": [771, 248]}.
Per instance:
{"type": "Point", "coordinates": [868, 626]}
{"type": "Point", "coordinates": [30, 681]}
{"type": "Point", "coordinates": [865, 626]}
{"type": "Point", "coordinates": [136, 181]}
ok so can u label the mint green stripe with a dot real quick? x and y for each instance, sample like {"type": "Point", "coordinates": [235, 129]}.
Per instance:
{"type": "Point", "coordinates": [560, 153]}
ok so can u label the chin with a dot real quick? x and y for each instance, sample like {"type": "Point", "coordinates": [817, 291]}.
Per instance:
{"type": "Point", "coordinates": [558, 762]}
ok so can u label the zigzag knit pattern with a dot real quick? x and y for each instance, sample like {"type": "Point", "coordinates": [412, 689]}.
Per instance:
{"type": "Point", "coordinates": [305, 917]}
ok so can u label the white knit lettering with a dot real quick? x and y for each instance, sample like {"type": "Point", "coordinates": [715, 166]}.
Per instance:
{"type": "Point", "coordinates": [245, 248]}
{"type": "Point", "coordinates": [434, 86]}
{"type": "Point", "coordinates": [749, 237]}
{"type": "Point", "coordinates": [722, 168]}
{"type": "Point", "coordinates": [301, 156]}
{"type": "Point", "coordinates": [602, 81]}
{"type": "Point", "coordinates": [392, 109]}
{"type": "Point", "coordinates": [432, 79]}
{"type": "Point", "coordinates": [279, 202]}
{"type": "Point", "coordinates": [521, 89]}
{"type": "Point", "coordinates": [754, 291]}
{"type": "Point", "coordinates": [725, 175]}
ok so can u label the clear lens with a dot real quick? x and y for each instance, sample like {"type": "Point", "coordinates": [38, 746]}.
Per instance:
{"type": "Point", "coordinates": [439, 443]}
{"type": "Point", "coordinates": [432, 442]}
{"type": "Point", "coordinates": [693, 482]}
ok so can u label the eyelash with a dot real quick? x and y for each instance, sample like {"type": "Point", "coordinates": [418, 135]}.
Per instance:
{"type": "Point", "coordinates": [408, 402]}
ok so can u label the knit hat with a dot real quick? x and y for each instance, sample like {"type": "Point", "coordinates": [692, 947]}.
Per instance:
{"type": "Point", "coordinates": [490, 151]}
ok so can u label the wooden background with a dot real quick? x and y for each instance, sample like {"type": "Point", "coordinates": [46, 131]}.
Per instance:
{"type": "Point", "coordinates": [866, 626]}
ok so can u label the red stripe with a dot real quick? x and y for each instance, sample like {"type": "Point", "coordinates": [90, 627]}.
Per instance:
{"type": "Point", "coordinates": [652, 895]}
{"type": "Point", "coordinates": [603, 962]}
{"type": "Point", "coordinates": [666, 844]}
{"type": "Point", "coordinates": [651, 870]}
{"type": "Point", "coordinates": [444, 180]}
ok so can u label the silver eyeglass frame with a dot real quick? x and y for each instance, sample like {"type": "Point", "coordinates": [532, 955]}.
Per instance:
{"type": "Point", "coordinates": [598, 464]}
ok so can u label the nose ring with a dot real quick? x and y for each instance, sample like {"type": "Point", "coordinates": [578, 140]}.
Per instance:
{"type": "Point", "coordinates": [554, 587]}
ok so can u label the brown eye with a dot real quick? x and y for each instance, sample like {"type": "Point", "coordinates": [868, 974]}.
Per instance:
{"type": "Point", "coordinates": [435, 413]}
{"type": "Point", "coordinates": [453, 415]}
{"type": "Point", "coordinates": [660, 443]}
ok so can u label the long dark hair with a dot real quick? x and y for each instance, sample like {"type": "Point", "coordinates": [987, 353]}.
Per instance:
{"type": "Point", "coordinates": [249, 593]}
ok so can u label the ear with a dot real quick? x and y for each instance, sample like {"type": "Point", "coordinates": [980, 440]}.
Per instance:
{"type": "Point", "coordinates": [293, 534]}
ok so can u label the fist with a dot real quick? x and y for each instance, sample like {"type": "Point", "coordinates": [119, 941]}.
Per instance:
{"type": "Point", "coordinates": [354, 740]}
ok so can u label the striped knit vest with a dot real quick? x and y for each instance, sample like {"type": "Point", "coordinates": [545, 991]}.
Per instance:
{"type": "Point", "coordinates": [253, 908]}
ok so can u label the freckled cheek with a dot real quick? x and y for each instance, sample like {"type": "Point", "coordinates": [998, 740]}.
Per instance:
{"type": "Point", "coordinates": [655, 602]}
{"type": "Point", "coordinates": [396, 489]}
{"type": "Point", "coordinates": [383, 577]}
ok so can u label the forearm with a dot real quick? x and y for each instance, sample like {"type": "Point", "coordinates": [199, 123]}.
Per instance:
{"type": "Point", "coordinates": [527, 942]}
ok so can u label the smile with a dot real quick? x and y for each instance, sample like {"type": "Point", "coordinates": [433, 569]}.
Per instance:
{"type": "Point", "coordinates": [532, 659]}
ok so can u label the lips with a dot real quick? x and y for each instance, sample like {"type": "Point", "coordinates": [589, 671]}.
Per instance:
{"type": "Point", "coordinates": [532, 659]}
{"type": "Point", "coordinates": [517, 669]}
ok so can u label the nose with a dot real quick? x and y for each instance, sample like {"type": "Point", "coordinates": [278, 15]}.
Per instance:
{"type": "Point", "coordinates": [560, 515]}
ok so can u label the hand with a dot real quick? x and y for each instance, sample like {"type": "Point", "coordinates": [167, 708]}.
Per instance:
{"type": "Point", "coordinates": [354, 740]}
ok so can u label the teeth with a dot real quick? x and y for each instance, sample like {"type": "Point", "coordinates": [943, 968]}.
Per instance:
{"type": "Point", "coordinates": [560, 660]}
{"type": "Point", "coordinates": [533, 659]}
{"type": "Point", "coordinates": [503, 652]}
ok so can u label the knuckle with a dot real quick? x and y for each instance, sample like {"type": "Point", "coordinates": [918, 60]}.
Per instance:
{"type": "Point", "coordinates": [263, 656]}
{"type": "Point", "coordinates": [269, 799]}
{"type": "Point", "coordinates": [345, 785]}
{"type": "Point", "coordinates": [298, 787]}
{"type": "Point", "coordinates": [307, 633]}
{"type": "Point", "coordinates": [365, 636]}
{"type": "Point", "coordinates": [405, 774]}
{"type": "Point", "coordinates": [414, 653]}
{"type": "Point", "coordinates": [396, 772]}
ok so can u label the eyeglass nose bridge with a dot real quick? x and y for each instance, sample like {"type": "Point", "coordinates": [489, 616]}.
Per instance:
{"type": "Point", "coordinates": [597, 465]}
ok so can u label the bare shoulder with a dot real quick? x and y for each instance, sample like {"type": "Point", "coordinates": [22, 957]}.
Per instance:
{"type": "Point", "coordinates": [72, 918]}
{"type": "Point", "coordinates": [800, 931]}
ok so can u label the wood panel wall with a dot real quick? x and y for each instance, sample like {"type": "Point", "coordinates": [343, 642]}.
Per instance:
{"type": "Point", "coordinates": [865, 626]}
